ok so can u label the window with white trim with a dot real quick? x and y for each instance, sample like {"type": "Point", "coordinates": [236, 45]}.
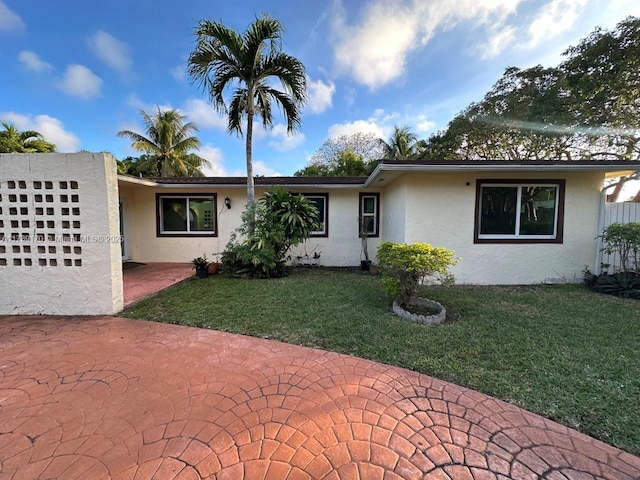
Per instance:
{"type": "Point", "coordinates": [370, 214]}
{"type": "Point", "coordinates": [321, 202]}
{"type": "Point", "coordinates": [186, 215]}
{"type": "Point", "coordinates": [519, 211]}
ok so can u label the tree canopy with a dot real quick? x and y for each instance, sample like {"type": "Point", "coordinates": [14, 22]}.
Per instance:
{"type": "Point", "coordinates": [585, 108]}
{"type": "Point", "coordinates": [402, 145]}
{"type": "Point", "coordinates": [167, 146]}
{"type": "Point", "coordinates": [13, 140]}
{"type": "Point", "coordinates": [248, 63]}
{"type": "Point", "coordinates": [347, 155]}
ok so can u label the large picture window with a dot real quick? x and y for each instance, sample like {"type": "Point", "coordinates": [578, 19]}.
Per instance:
{"type": "Point", "coordinates": [186, 215]}
{"type": "Point", "coordinates": [370, 213]}
{"type": "Point", "coordinates": [321, 202]}
{"type": "Point", "coordinates": [519, 211]}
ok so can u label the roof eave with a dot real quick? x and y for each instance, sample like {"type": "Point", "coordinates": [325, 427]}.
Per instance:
{"type": "Point", "coordinates": [493, 167]}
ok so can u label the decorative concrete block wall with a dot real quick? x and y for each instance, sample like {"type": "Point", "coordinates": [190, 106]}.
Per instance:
{"type": "Point", "coordinates": [59, 234]}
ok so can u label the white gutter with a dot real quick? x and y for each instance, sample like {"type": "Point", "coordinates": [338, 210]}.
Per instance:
{"type": "Point", "coordinates": [603, 203]}
{"type": "Point", "coordinates": [494, 167]}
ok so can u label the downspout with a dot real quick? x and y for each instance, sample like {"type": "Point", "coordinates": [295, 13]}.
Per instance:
{"type": "Point", "coordinates": [603, 202]}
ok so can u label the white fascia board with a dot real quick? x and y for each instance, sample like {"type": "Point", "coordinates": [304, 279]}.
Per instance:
{"type": "Point", "coordinates": [568, 167]}
{"type": "Point", "coordinates": [136, 181]}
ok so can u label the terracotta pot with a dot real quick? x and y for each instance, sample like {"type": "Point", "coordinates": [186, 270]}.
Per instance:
{"type": "Point", "coordinates": [214, 268]}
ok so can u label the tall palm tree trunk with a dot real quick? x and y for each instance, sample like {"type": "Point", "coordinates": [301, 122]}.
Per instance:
{"type": "Point", "coordinates": [249, 152]}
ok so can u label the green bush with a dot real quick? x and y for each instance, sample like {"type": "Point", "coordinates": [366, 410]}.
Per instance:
{"type": "Point", "coordinates": [405, 266]}
{"type": "Point", "coordinates": [278, 221]}
{"type": "Point", "coordinates": [623, 239]}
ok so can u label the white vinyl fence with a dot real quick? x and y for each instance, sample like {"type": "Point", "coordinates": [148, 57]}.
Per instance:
{"type": "Point", "coordinates": [624, 212]}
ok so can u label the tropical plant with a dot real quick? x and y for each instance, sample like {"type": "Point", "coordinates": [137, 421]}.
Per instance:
{"type": "Point", "coordinates": [223, 58]}
{"type": "Point", "coordinates": [13, 140]}
{"type": "Point", "coordinates": [402, 145]}
{"type": "Point", "coordinates": [167, 143]}
{"type": "Point", "coordinates": [277, 222]}
{"type": "Point", "coordinates": [406, 266]}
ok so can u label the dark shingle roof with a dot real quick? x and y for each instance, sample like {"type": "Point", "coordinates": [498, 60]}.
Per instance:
{"type": "Point", "coordinates": [261, 181]}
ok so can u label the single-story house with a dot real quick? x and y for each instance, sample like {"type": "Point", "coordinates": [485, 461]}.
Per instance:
{"type": "Point", "coordinates": [509, 222]}
{"type": "Point", "coordinates": [63, 218]}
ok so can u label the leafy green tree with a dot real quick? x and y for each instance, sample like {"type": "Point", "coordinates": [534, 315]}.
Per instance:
{"type": "Point", "coordinates": [250, 61]}
{"type": "Point", "coordinates": [603, 76]}
{"type": "Point", "coordinates": [348, 164]}
{"type": "Point", "coordinates": [347, 155]}
{"type": "Point", "coordinates": [167, 144]}
{"type": "Point", "coordinates": [586, 108]}
{"type": "Point", "coordinates": [13, 140]}
{"type": "Point", "coordinates": [402, 145]}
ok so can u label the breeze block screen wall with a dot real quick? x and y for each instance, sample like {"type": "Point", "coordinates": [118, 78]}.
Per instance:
{"type": "Point", "coordinates": [59, 235]}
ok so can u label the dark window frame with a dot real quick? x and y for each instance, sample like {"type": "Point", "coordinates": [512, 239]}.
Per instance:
{"type": "Point", "coordinates": [361, 196]}
{"type": "Point", "coordinates": [325, 233]}
{"type": "Point", "coordinates": [559, 237]}
{"type": "Point", "coordinates": [160, 233]}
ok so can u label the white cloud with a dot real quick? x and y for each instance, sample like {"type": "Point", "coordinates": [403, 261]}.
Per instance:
{"type": "Point", "coordinates": [51, 129]}
{"type": "Point", "coordinates": [9, 20]}
{"type": "Point", "coordinates": [216, 158]}
{"type": "Point", "coordinates": [178, 72]}
{"type": "Point", "coordinates": [283, 141]}
{"type": "Point", "coordinates": [113, 52]}
{"type": "Point", "coordinates": [203, 114]}
{"type": "Point", "coordinates": [375, 50]}
{"type": "Point", "coordinates": [79, 81]}
{"type": "Point", "coordinates": [498, 41]}
{"type": "Point", "coordinates": [424, 125]}
{"type": "Point", "coordinates": [320, 95]}
{"type": "Point", "coordinates": [261, 168]}
{"type": "Point", "coordinates": [32, 61]}
{"type": "Point", "coordinates": [358, 126]}
{"type": "Point", "coordinates": [553, 19]}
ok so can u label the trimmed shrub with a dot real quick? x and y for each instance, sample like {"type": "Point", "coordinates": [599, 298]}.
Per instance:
{"type": "Point", "coordinates": [405, 266]}
{"type": "Point", "coordinates": [623, 239]}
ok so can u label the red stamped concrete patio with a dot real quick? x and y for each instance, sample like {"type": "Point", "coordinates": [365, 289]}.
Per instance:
{"type": "Point", "coordinates": [100, 398]}
{"type": "Point", "coordinates": [149, 279]}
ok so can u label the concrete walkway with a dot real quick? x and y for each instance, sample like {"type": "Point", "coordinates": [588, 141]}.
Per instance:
{"type": "Point", "coordinates": [110, 398]}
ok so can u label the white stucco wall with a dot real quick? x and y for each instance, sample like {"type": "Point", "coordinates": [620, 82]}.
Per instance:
{"type": "Point", "coordinates": [440, 209]}
{"type": "Point", "coordinates": [394, 201]}
{"type": "Point", "coordinates": [341, 248]}
{"type": "Point", "coordinates": [64, 209]}
{"type": "Point", "coordinates": [143, 243]}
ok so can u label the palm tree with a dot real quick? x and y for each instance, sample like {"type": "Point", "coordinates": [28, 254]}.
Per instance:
{"type": "Point", "coordinates": [167, 145]}
{"type": "Point", "coordinates": [13, 140]}
{"type": "Point", "coordinates": [401, 146]}
{"type": "Point", "coordinates": [223, 58]}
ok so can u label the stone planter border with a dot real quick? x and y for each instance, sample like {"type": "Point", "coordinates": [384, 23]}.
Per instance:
{"type": "Point", "coordinates": [413, 317]}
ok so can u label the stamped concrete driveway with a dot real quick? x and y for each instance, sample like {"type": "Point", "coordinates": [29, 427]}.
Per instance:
{"type": "Point", "coordinates": [99, 398]}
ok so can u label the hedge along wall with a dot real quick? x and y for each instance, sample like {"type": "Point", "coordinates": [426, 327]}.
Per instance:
{"type": "Point", "coordinates": [59, 234]}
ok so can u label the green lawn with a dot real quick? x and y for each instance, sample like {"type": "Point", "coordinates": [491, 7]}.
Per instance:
{"type": "Point", "coordinates": [561, 351]}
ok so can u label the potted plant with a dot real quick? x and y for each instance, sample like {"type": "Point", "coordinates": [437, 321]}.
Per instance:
{"type": "Point", "coordinates": [365, 263]}
{"type": "Point", "coordinates": [214, 266]}
{"type": "Point", "coordinates": [200, 265]}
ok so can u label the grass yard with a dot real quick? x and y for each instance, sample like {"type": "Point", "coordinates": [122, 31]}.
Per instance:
{"type": "Point", "coordinates": [561, 351]}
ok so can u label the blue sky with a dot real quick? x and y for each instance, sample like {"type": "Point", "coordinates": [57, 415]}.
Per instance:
{"type": "Point", "coordinates": [79, 71]}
